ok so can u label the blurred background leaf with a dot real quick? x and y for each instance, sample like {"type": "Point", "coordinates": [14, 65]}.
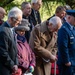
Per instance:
{"type": "Point", "coordinates": [47, 9]}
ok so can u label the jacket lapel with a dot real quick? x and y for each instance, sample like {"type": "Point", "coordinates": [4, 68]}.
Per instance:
{"type": "Point", "coordinates": [5, 25]}
{"type": "Point", "coordinates": [52, 41]}
{"type": "Point", "coordinates": [46, 36]}
{"type": "Point", "coordinates": [8, 30]}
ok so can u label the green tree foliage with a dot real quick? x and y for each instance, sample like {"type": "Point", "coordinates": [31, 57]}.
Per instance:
{"type": "Point", "coordinates": [4, 3]}
{"type": "Point", "coordinates": [71, 3]}
{"type": "Point", "coordinates": [47, 9]}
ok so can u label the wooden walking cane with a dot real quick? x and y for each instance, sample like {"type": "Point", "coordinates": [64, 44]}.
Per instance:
{"type": "Point", "coordinates": [55, 65]}
{"type": "Point", "coordinates": [55, 68]}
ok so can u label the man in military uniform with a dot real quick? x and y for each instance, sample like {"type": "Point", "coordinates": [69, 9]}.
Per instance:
{"type": "Point", "coordinates": [66, 45]}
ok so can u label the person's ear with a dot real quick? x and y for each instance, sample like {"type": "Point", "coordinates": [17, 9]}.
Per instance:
{"type": "Point", "coordinates": [69, 17]}
{"type": "Point", "coordinates": [47, 22]}
{"type": "Point", "coordinates": [50, 24]}
{"type": "Point", "coordinates": [33, 4]}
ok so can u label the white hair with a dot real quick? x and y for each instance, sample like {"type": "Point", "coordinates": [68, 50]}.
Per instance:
{"type": "Point", "coordinates": [34, 1]}
{"type": "Point", "coordinates": [14, 12]}
{"type": "Point", "coordinates": [55, 20]}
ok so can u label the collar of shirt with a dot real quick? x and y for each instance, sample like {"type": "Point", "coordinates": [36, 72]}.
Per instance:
{"type": "Point", "coordinates": [8, 23]}
{"type": "Point", "coordinates": [12, 28]}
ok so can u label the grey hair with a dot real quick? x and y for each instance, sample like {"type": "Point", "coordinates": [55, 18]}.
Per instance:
{"type": "Point", "coordinates": [35, 1]}
{"type": "Point", "coordinates": [24, 4]}
{"type": "Point", "coordinates": [59, 9]}
{"type": "Point", "coordinates": [55, 20]}
{"type": "Point", "coordinates": [14, 12]}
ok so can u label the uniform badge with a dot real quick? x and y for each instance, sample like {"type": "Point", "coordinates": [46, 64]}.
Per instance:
{"type": "Point", "coordinates": [71, 39]}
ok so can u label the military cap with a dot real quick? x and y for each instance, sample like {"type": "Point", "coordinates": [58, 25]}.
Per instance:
{"type": "Point", "coordinates": [70, 12]}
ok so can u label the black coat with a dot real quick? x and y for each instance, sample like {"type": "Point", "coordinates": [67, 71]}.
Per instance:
{"type": "Point", "coordinates": [35, 17]}
{"type": "Point", "coordinates": [27, 33]}
{"type": "Point", "coordinates": [8, 50]}
{"type": "Point", "coordinates": [1, 22]}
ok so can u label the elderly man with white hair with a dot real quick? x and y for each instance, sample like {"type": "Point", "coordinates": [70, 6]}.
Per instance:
{"type": "Point", "coordinates": [36, 5]}
{"type": "Point", "coordinates": [66, 45]}
{"type": "Point", "coordinates": [43, 43]}
{"type": "Point", "coordinates": [8, 50]}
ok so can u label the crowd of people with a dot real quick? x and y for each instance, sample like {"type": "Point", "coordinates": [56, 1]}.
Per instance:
{"type": "Point", "coordinates": [28, 45]}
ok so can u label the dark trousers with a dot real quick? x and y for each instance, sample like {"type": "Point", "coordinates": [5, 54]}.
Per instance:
{"type": "Point", "coordinates": [64, 70]}
{"type": "Point", "coordinates": [4, 70]}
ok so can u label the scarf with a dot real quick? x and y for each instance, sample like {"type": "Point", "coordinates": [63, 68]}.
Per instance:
{"type": "Point", "coordinates": [21, 38]}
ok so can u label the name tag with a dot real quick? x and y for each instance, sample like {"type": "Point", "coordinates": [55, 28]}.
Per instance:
{"type": "Point", "coordinates": [72, 37]}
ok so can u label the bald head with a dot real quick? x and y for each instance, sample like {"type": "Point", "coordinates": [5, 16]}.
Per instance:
{"type": "Point", "coordinates": [55, 23]}
{"type": "Point", "coordinates": [55, 20]}
{"type": "Point", "coordinates": [2, 12]}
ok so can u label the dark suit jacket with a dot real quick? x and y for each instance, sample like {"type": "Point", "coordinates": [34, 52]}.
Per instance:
{"type": "Point", "coordinates": [8, 50]}
{"type": "Point", "coordinates": [27, 33]}
{"type": "Point", "coordinates": [35, 19]}
{"type": "Point", "coordinates": [66, 45]}
{"type": "Point", "coordinates": [1, 22]}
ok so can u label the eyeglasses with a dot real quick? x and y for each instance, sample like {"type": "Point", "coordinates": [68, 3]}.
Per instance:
{"type": "Point", "coordinates": [15, 19]}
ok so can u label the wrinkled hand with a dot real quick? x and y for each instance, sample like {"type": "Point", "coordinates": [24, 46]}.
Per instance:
{"type": "Point", "coordinates": [54, 58]}
{"type": "Point", "coordinates": [31, 69]}
{"type": "Point", "coordinates": [15, 68]}
{"type": "Point", "coordinates": [54, 35]}
{"type": "Point", "coordinates": [19, 72]}
{"type": "Point", "coordinates": [68, 64]}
